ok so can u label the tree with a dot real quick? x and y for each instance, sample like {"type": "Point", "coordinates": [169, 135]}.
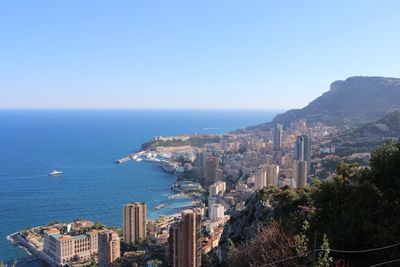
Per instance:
{"type": "Point", "coordinates": [301, 240]}
{"type": "Point", "coordinates": [357, 209]}
{"type": "Point", "coordinates": [324, 260]}
{"type": "Point", "coordinates": [209, 259]}
{"type": "Point", "coordinates": [24, 233]}
{"type": "Point", "coordinates": [98, 225]}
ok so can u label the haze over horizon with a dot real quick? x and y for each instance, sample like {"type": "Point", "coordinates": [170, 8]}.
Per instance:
{"type": "Point", "coordinates": [179, 55]}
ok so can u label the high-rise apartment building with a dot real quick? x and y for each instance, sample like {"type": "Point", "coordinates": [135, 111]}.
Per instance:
{"type": "Point", "coordinates": [185, 240]}
{"type": "Point", "coordinates": [212, 170]}
{"type": "Point", "coordinates": [300, 173]}
{"type": "Point", "coordinates": [134, 220]}
{"type": "Point", "coordinates": [200, 162]}
{"type": "Point", "coordinates": [277, 137]}
{"type": "Point", "coordinates": [108, 248]}
{"type": "Point", "coordinates": [302, 150]}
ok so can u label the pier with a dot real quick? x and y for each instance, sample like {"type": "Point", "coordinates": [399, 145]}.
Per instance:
{"type": "Point", "coordinates": [119, 161]}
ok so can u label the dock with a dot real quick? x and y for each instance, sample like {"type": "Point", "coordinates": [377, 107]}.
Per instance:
{"type": "Point", "coordinates": [119, 161]}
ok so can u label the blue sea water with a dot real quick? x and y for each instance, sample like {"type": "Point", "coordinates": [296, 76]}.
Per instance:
{"type": "Point", "coordinates": [84, 144]}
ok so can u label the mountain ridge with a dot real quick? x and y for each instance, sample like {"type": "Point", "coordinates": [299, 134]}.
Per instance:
{"type": "Point", "coordinates": [367, 137]}
{"type": "Point", "coordinates": [354, 101]}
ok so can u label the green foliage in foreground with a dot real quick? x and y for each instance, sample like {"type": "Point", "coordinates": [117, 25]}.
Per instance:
{"type": "Point", "coordinates": [358, 209]}
{"type": "Point", "coordinates": [324, 258]}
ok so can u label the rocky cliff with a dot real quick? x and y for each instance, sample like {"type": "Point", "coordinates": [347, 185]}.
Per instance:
{"type": "Point", "coordinates": [354, 101]}
{"type": "Point", "coordinates": [265, 205]}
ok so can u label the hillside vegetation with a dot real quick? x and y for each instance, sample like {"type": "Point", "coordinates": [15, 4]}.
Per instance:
{"type": "Point", "coordinates": [368, 137]}
{"type": "Point", "coordinates": [358, 209]}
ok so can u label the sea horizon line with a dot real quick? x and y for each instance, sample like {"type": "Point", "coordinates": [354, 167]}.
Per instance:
{"type": "Point", "coordinates": [144, 109]}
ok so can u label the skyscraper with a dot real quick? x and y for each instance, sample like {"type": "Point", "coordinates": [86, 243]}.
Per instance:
{"type": "Point", "coordinates": [109, 248]}
{"type": "Point", "coordinates": [212, 170]}
{"type": "Point", "coordinates": [300, 173]}
{"type": "Point", "coordinates": [302, 150]}
{"type": "Point", "coordinates": [277, 135]}
{"type": "Point", "coordinates": [200, 162]}
{"type": "Point", "coordinates": [134, 219]}
{"type": "Point", "coordinates": [185, 240]}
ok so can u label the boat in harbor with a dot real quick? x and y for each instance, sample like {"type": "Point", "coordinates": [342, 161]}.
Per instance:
{"type": "Point", "coordinates": [152, 159]}
{"type": "Point", "coordinates": [160, 206]}
{"type": "Point", "coordinates": [55, 173]}
{"type": "Point", "coordinates": [168, 167]}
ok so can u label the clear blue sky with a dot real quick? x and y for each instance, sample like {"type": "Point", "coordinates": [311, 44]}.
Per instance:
{"type": "Point", "coordinates": [190, 54]}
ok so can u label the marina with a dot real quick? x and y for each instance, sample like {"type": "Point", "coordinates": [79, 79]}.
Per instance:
{"type": "Point", "coordinates": [163, 159]}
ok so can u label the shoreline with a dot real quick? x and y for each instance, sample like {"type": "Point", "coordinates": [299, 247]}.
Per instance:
{"type": "Point", "coordinates": [30, 249]}
{"type": "Point", "coordinates": [11, 252]}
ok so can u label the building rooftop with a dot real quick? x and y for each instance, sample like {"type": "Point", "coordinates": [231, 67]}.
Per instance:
{"type": "Point", "coordinates": [52, 231]}
{"type": "Point", "coordinates": [93, 232]}
{"type": "Point", "coordinates": [76, 237]}
{"type": "Point", "coordinates": [65, 238]}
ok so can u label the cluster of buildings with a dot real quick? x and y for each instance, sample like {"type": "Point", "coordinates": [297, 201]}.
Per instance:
{"type": "Point", "coordinates": [251, 161]}
{"type": "Point", "coordinates": [79, 243]}
{"type": "Point", "coordinates": [237, 156]}
{"type": "Point", "coordinates": [230, 170]}
{"type": "Point", "coordinates": [184, 237]}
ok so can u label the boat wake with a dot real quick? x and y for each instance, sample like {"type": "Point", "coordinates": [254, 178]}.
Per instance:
{"type": "Point", "coordinates": [26, 176]}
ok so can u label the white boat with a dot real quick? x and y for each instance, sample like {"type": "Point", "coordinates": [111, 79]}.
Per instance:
{"type": "Point", "coordinates": [160, 206]}
{"type": "Point", "coordinates": [152, 159]}
{"type": "Point", "coordinates": [55, 173]}
{"type": "Point", "coordinates": [168, 167]}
